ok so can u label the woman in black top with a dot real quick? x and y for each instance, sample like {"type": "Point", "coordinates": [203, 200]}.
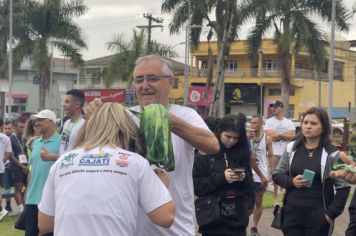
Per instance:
{"type": "Point", "coordinates": [311, 206]}
{"type": "Point", "coordinates": [216, 175]}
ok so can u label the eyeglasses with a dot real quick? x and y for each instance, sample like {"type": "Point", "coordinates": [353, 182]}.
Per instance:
{"type": "Point", "coordinates": [139, 80]}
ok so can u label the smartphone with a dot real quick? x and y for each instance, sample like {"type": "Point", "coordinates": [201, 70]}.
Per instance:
{"type": "Point", "coordinates": [239, 171]}
{"type": "Point", "coordinates": [309, 175]}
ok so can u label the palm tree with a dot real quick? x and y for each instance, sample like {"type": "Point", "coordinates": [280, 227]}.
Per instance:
{"type": "Point", "coordinates": [51, 26]}
{"type": "Point", "coordinates": [126, 53]}
{"type": "Point", "coordinates": [225, 26]}
{"type": "Point", "coordinates": [20, 30]}
{"type": "Point", "coordinates": [295, 27]}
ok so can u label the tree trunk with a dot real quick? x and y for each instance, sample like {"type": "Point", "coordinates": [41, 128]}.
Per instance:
{"type": "Point", "coordinates": [43, 87]}
{"type": "Point", "coordinates": [218, 106]}
{"type": "Point", "coordinates": [285, 65]}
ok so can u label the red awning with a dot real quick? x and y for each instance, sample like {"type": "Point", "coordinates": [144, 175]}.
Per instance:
{"type": "Point", "coordinates": [19, 96]}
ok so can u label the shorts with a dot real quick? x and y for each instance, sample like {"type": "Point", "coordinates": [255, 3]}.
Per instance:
{"type": "Point", "coordinates": [16, 176]}
{"type": "Point", "coordinates": [259, 187]}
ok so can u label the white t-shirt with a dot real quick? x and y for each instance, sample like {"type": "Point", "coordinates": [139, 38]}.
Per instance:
{"type": "Point", "coordinates": [98, 192]}
{"type": "Point", "coordinates": [71, 129]}
{"type": "Point", "coordinates": [279, 126]}
{"type": "Point", "coordinates": [5, 146]}
{"type": "Point", "coordinates": [181, 182]}
{"type": "Point", "coordinates": [260, 151]}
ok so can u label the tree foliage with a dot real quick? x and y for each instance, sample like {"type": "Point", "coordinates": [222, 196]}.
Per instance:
{"type": "Point", "coordinates": [50, 25]}
{"type": "Point", "coordinates": [294, 23]}
{"type": "Point", "coordinates": [225, 26]}
{"type": "Point", "coordinates": [126, 52]}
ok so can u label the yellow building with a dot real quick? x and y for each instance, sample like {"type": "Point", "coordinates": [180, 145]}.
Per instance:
{"type": "Point", "coordinates": [244, 82]}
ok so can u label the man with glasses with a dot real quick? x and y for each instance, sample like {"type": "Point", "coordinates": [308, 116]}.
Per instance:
{"type": "Point", "coordinates": [44, 153]}
{"type": "Point", "coordinates": [153, 80]}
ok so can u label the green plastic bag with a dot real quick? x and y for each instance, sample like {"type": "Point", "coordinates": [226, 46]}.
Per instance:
{"type": "Point", "coordinates": [155, 127]}
{"type": "Point", "coordinates": [341, 165]}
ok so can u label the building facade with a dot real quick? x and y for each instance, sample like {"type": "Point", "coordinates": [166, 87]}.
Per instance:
{"type": "Point", "coordinates": [25, 86]}
{"type": "Point", "coordinates": [251, 88]}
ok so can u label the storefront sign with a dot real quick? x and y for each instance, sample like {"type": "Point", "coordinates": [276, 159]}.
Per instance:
{"type": "Point", "coordinates": [106, 95]}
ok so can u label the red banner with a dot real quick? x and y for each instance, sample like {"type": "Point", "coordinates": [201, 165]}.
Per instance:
{"type": "Point", "coordinates": [106, 95]}
{"type": "Point", "coordinates": [197, 95]}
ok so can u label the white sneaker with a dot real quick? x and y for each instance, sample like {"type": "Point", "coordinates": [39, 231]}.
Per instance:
{"type": "Point", "coordinates": [3, 213]}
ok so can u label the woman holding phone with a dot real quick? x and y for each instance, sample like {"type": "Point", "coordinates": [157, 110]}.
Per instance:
{"type": "Point", "coordinates": [313, 200]}
{"type": "Point", "coordinates": [227, 175]}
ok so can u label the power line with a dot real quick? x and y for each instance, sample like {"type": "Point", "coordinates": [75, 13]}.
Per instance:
{"type": "Point", "coordinates": [149, 29]}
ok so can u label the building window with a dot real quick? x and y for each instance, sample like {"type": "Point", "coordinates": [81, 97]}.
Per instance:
{"type": "Point", "coordinates": [277, 92]}
{"type": "Point", "coordinates": [298, 65]}
{"type": "Point", "coordinates": [338, 70]}
{"type": "Point", "coordinates": [231, 66]}
{"type": "Point", "coordinates": [92, 71]}
{"type": "Point", "coordinates": [274, 92]}
{"type": "Point", "coordinates": [269, 64]}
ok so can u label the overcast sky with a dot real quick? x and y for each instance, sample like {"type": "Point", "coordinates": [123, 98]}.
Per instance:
{"type": "Point", "coordinates": [106, 18]}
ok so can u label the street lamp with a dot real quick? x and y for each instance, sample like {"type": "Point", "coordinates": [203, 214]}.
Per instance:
{"type": "Point", "coordinates": [186, 61]}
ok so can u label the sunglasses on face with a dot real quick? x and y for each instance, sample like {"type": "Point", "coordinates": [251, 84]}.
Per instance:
{"type": "Point", "coordinates": [139, 80]}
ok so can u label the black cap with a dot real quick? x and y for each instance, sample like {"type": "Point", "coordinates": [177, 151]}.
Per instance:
{"type": "Point", "coordinates": [277, 103]}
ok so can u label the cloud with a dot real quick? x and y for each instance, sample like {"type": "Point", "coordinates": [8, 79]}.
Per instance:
{"type": "Point", "coordinates": [108, 11]}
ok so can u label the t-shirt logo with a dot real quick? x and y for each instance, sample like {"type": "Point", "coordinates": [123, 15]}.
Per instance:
{"type": "Point", "coordinates": [123, 160]}
{"type": "Point", "coordinates": [68, 160]}
{"type": "Point", "coordinates": [99, 159]}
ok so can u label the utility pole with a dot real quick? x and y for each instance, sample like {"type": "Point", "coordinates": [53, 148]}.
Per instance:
{"type": "Point", "coordinates": [149, 27]}
{"type": "Point", "coordinates": [331, 58]}
{"type": "Point", "coordinates": [10, 59]}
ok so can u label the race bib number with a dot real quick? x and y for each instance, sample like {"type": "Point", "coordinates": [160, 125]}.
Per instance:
{"type": "Point", "coordinates": [22, 159]}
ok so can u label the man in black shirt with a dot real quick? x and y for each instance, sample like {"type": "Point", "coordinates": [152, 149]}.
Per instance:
{"type": "Point", "coordinates": [17, 167]}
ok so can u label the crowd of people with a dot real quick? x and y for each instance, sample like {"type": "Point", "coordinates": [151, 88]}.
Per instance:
{"type": "Point", "coordinates": [91, 177]}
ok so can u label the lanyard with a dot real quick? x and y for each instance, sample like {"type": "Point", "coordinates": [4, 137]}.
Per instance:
{"type": "Point", "coordinates": [255, 145]}
{"type": "Point", "coordinates": [226, 162]}
{"type": "Point", "coordinates": [21, 146]}
{"type": "Point", "coordinates": [68, 131]}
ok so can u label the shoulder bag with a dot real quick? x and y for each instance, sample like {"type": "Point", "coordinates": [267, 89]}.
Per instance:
{"type": "Point", "coordinates": [207, 210]}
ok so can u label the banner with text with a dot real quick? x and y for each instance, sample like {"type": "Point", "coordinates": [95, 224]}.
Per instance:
{"type": "Point", "coordinates": [106, 95]}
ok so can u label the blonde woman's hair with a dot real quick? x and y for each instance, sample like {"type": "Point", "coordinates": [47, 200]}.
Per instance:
{"type": "Point", "coordinates": [111, 125]}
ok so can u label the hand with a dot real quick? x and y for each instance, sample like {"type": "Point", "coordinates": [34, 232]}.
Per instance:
{"type": "Point", "coordinates": [252, 133]}
{"type": "Point", "coordinates": [93, 106]}
{"type": "Point", "coordinates": [264, 181]}
{"type": "Point", "coordinates": [349, 177]}
{"type": "Point", "coordinates": [163, 176]}
{"type": "Point", "coordinates": [25, 170]}
{"type": "Point", "coordinates": [232, 177]}
{"type": "Point", "coordinates": [299, 182]}
{"type": "Point", "coordinates": [328, 219]}
{"type": "Point", "coordinates": [44, 153]}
